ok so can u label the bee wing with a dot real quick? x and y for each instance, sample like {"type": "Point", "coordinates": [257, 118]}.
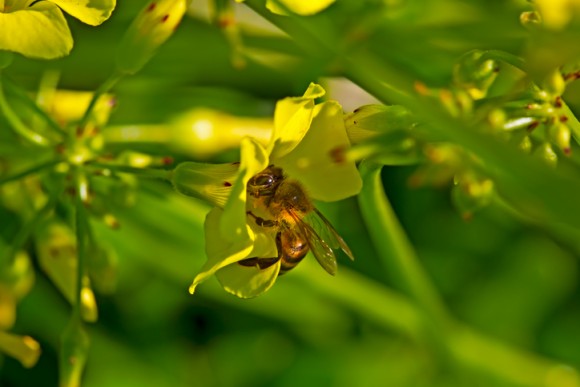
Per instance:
{"type": "Point", "coordinates": [321, 250]}
{"type": "Point", "coordinates": [329, 234]}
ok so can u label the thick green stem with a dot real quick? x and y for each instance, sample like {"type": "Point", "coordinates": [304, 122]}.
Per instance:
{"type": "Point", "coordinates": [395, 251]}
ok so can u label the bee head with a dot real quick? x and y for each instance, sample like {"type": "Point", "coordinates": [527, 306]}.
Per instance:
{"type": "Point", "coordinates": [266, 182]}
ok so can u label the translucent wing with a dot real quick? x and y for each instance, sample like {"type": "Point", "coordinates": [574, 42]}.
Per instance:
{"type": "Point", "coordinates": [321, 250]}
{"type": "Point", "coordinates": [328, 233]}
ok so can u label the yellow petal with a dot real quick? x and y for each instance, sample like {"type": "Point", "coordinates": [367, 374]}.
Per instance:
{"type": "Point", "coordinates": [220, 252]}
{"type": "Point", "coordinates": [254, 159]}
{"type": "Point", "coordinates": [312, 163]}
{"type": "Point", "coordinates": [292, 119]}
{"type": "Point", "coordinates": [92, 12]}
{"type": "Point", "coordinates": [247, 282]}
{"type": "Point", "coordinates": [39, 31]}
{"type": "Point", "coordinates": [300, 7]}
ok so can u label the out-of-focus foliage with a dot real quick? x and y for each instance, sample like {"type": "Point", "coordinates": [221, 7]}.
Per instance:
{"type": "Point", "coordinates": [466, 276]}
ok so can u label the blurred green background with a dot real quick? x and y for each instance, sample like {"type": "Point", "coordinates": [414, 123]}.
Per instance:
{"type": "Point", "coordinates": [512, 281]}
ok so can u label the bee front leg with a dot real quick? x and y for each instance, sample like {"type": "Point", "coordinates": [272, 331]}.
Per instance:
{"type": "Point", "coordinates": [261, 221]}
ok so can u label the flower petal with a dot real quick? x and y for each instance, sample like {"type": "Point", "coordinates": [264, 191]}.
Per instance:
{"type": "Point", "coordinates": [220, 252]}
{"type": "Point", "coordinates": [92, 12]}
{"type": "Point", "coordinates": [312, 163]}
{"type": "Point", "coordinates": [300, 7]}
{"type": "Point", "coordinates": [248, 282]}
{"type": "Point", "coordinates": [292, 119]}
{"type": "Point", "coordinates": [233, 225]}
{"type": "Point", "coordinates": [39, 31]}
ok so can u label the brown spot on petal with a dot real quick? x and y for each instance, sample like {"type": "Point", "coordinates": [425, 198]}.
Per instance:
{"type": "Point", "coordinates": [567, 151]}
{"type": "Point", "coordinates": [563, 118]}
{"type": "Point", "coordinates": [151, 7]}
{"type": "Point", "coordinates": [227, 184]}
{"type": "Point", "coordinates": [558, 102]}
{"type": "Point", "coordinates": [338, 154]}
{"type": "Point", "coordinates": [236, 163]}
{"type": "Point", "coordinates": [164, 18]}
{"type": "Point", "coordinates": [167, 160]}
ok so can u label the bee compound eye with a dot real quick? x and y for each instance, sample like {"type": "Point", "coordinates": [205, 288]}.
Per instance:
{"type": "Point", "coordinates": [263, 180]}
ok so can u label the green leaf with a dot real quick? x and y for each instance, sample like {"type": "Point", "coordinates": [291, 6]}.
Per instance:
{"type": "Point", "coordinates": [39, 31]}
{"type": "Point", "coordinates": [92, 12]}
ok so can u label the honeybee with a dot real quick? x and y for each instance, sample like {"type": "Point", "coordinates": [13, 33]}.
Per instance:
{"type": "Point", "coordinates": [283, 206]}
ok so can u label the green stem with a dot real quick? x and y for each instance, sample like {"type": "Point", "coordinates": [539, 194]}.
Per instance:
{"type": "Point", "coordinates": [81, 233]}
{"type": "Point", "coordinates": [141, 172]}
{"type": "Point", "coordinates": [16, 90]}
{"type": "Point", "coordinates": [15, 122]}
{"type": "Point", "coordinates": [29, 171]}
{"type": "Point", "coordinates": [31, 224]}
{"type": "Point", "coordinates": [105, 87]}
{"type": "Point", "coordinates": [395, 251]}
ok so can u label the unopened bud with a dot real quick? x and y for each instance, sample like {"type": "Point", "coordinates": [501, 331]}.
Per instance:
{"type": "Point", "coordinates": [554, 83]}
{"type": "Point", "coordinates": [546, 153]}
{"type": "Point", "coordinates": [560, 135]}
{"type": "Point", "coordinates": [150, 29]}
{"type": "Point", "coordinates": [372, 120]}
{"type": "Point", "coordinates": [23, 348]}
{"type": "Point", "coordinates": [209, 182]}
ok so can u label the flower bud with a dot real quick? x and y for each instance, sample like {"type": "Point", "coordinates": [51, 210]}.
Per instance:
{"type": "Point", "coordinates": [57, 256]}
{"type": "Point", "coordinates": [209, 182]}
{"type": "Point", "coordinates": [546, 153]}
{"type": "Point", "coordinates": [23, 348]}
{"type": "Point", "coordinates": [371, 120]}
{"type": "Point", "coordinates": [470, 196]}
{"type": "Point", "coordinates": [554, 83]}
{"type": "Point", "coordinates": [560, 135]}
{"type": "Point", "coordinates": [150, 29]}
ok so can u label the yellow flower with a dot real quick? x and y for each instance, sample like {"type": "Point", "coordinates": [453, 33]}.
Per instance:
{"type": "Point", "coordinates": [304, 137]}
{"type": "Point", "coordinates": [38, 29]}
{"type": "Point", "coordinates": [299, 7]}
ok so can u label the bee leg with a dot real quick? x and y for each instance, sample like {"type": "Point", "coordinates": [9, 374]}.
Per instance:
{"type": "Point", "coordinates": [261, 263]}
{"type": "Point", "coordinates": [261, 221]}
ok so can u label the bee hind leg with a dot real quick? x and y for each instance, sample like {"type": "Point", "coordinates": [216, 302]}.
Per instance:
{"type": "Point", "coordinates": [261, 263]}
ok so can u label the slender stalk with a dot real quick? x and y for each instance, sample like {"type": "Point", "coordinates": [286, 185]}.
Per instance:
{"type": "Point", "coordinates": [16, 90]}
{"type": "Point", "coordinates": [29, 171]}
{"type": "Point", "coordinates": [15, 122]}
{"type": "Point", "coordinates": [105, 87]}
{"type": "Point", "coordinates": [141, 172]}
{"type": "Point", "coordinates": [81, 233]}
